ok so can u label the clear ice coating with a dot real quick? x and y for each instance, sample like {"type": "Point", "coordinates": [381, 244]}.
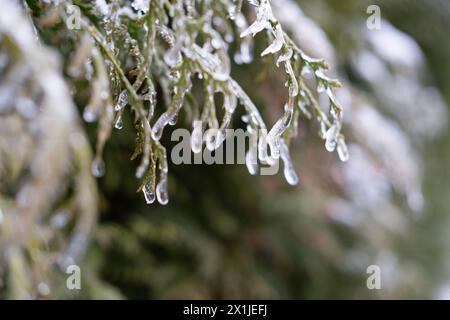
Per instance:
{"type": "Point", "coordinates": [274, 136]}
{"type": "Point", "coordinates": [277, 44]}
{"type": "Point", "coordinates": [263, 17]}
{"type": "Point", "coordinates": [331, 138]}
{"type": "Point", "coordinates": [118, 124]}
{"type": "Point", "coordinates": [149, 192]}
{"type": "Point", "coordinates": [285, 56]}
{"type": "Point", "coordinates": [140, 171]}
{"type": "Point", "coordinates": [122, 101]}
{"type": "Point", "coordinates": [161, 123]}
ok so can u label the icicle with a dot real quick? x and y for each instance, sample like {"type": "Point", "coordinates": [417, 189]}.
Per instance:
{"type": "Point", "coordinates": [273, 138]}
{"type": "Point", "coordinates": [149, 191]}
{"type": "Point", "coordinates": [293, 86]}
{"type": "Point", "coordinates": [323, 128]}
{"type": "Point", "coordinates": [289, 171]}
{"type": "Point", "coordinates": [331, 137]}
{"type": "Point", "coordinates": [118, 124]}
{"type": "Point", "coordinates": [160, 124]}
{"type": "Point", "coordinates": [174, 120]}
{"type": "Point", "coordinates": [262, 149]}
{"type": "Point", "coordinates": [161, 189]}
{"type": "Point", "coordinates": [251, 158]}
{"type": "Point", "coordinates": [342, 149]}
{"type": "Point", "coordinates": [277, 44]}
{"type": "Point", "coordinates": [175, 106]}
{"type": "Point", "coordinates": [122, 101]}
{"type": "Point", "coordinates": [286, 56]}
{"type": "Point", "coordinates": [163, 166]}
{"type": "Point", "coordinates": [262, 146]}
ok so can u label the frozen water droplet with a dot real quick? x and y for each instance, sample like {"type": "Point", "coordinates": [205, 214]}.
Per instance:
{"type": "Point", "coordinates": [98, 167]}
{"type": "Point", "coordinates": [149, 192]}
{"type": "Point", "coordinates": [161, 191]}
{"type": "Point", "coordinates": [174, 120]}
{"type": "Point", "coordinates": [122, 101]}
{"type": "Point", "coordinates": [273, 138]}
{"type": "Point", "coordinates": [285, 56]}
{"type": "Point", "coordinates": [289, 171]}
{"type": "Point", "coordinates": [118, 124]}
{"type": "Point", "coordinates": [331, 138]}
{"type": "Point", "coordinates": [277, 44]}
